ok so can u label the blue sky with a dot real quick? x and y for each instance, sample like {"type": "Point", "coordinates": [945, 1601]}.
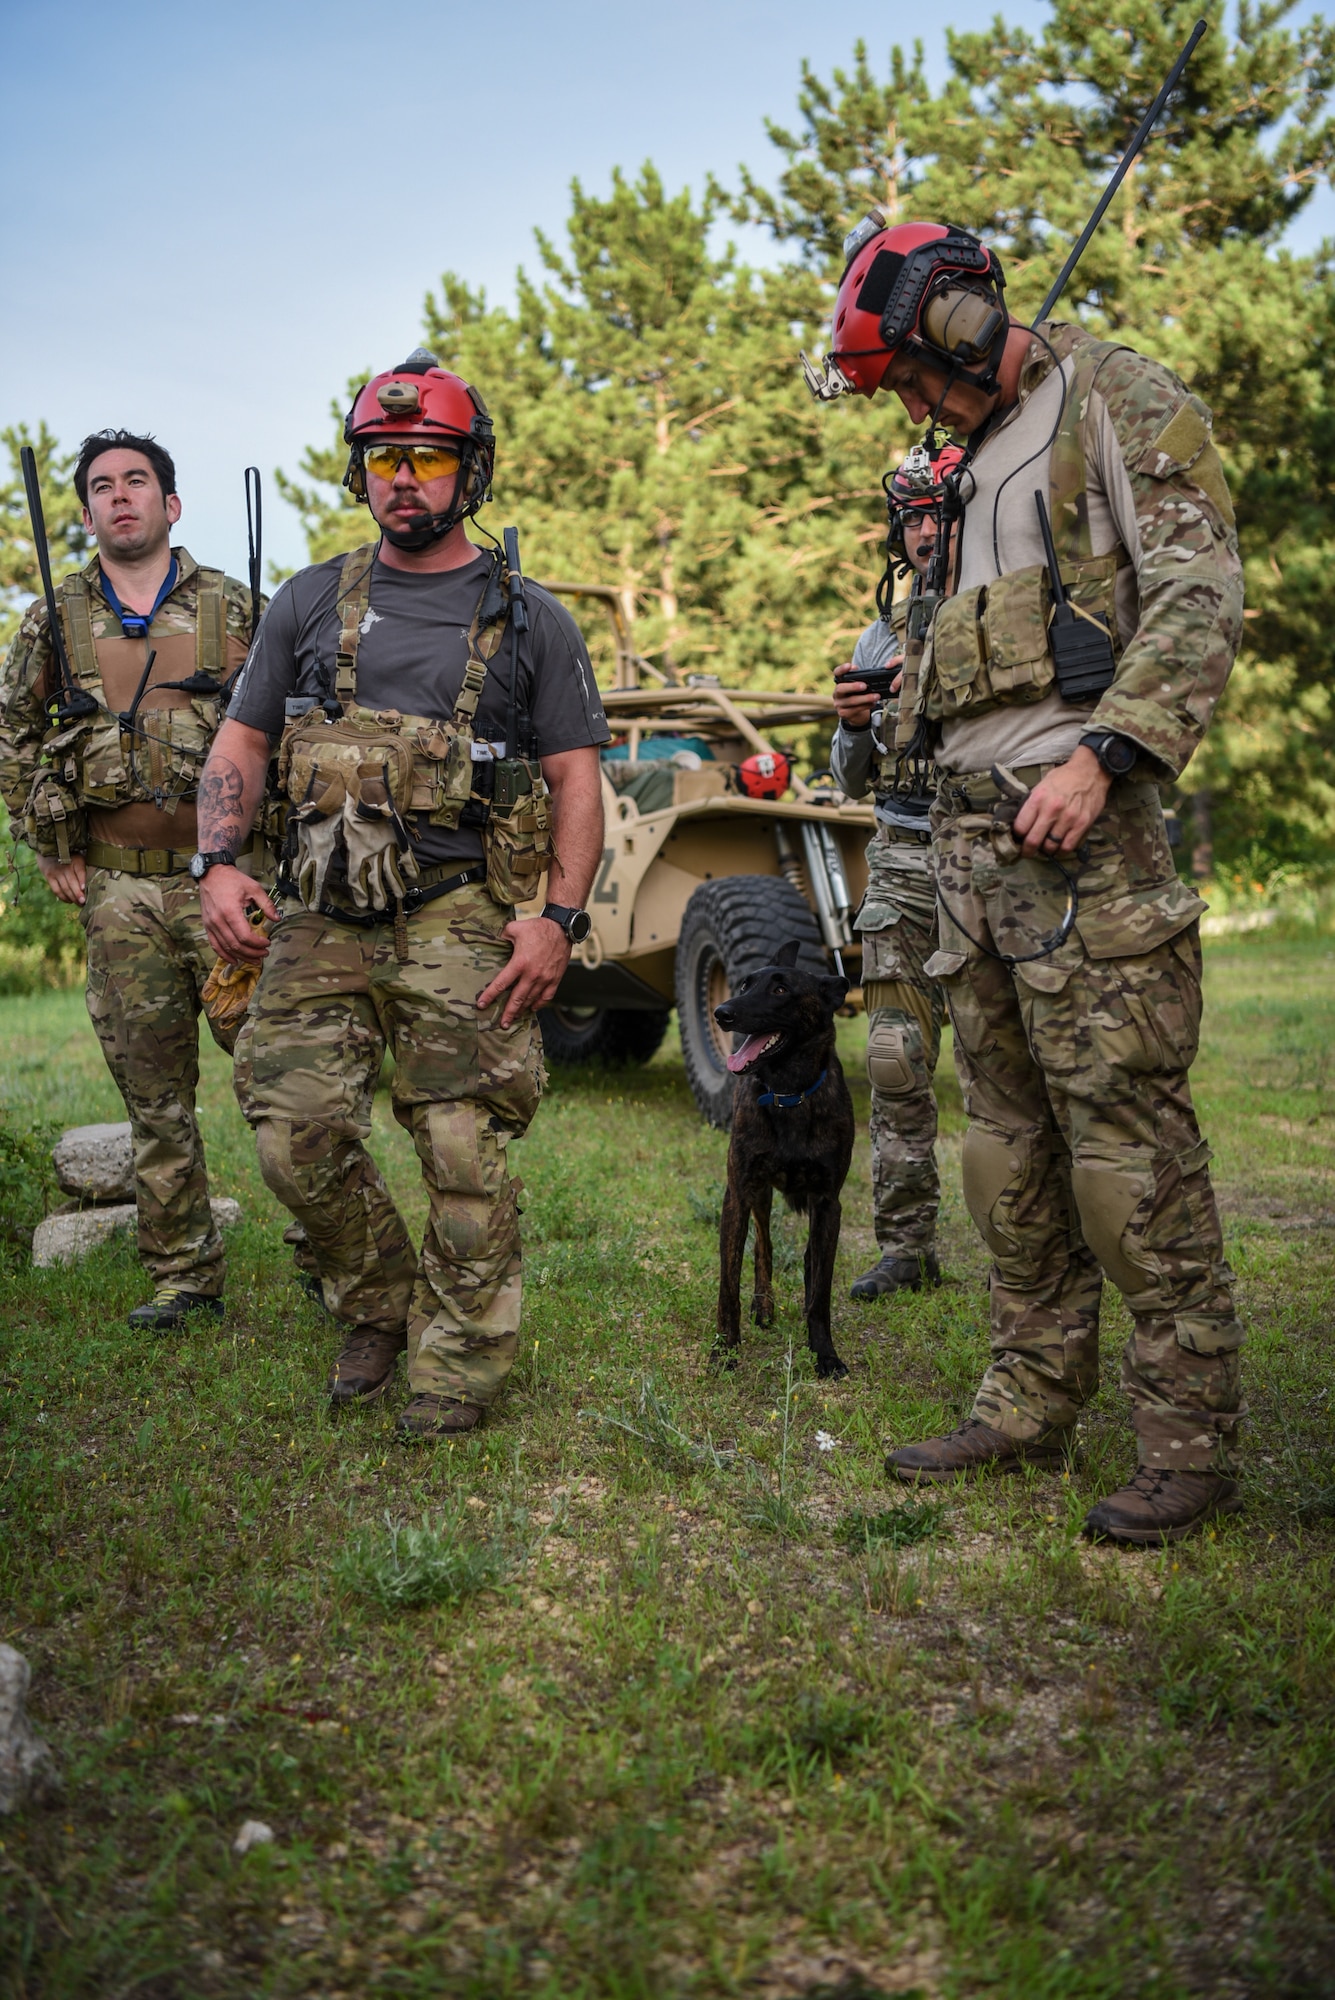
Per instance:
{"type": "Point", "coordinates": [218, 213]}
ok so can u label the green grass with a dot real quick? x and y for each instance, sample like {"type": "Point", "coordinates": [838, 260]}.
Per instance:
{"type": "Point", "coordinates": [553, 1711]}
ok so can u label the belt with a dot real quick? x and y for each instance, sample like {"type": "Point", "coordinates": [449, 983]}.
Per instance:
{"type": "Point", "coordinates": [903, 832]}
{"type": "Point", "coordinates": [977, 789]}
{"type": "Point", "coordinates": [425, 890]}
{"type": "Point", "coordinates": [137, 860]}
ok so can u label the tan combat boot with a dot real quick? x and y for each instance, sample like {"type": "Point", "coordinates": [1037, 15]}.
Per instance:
{"type": "Point", "coordinates": [1161, 1506]}
{"type": "Point", "coordinates": [975, 1447]}
{"type": "Point", "coordinates": [429, 1416]}
{"type": "Point", "coordinates": [365, 1367]}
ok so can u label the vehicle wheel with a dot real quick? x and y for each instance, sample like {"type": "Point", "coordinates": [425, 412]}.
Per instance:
{"type": "Point", "coordinates": [731, 928]}
{"type": "Point", "coordinates": [613, 1036]}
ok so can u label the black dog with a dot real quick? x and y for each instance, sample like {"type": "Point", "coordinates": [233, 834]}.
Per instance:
{"type": "Point", "coordinates": [792, 1129]}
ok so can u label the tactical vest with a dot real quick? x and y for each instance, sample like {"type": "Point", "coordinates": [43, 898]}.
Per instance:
{"type": "Point", "coordinates": [988, 647]}
{"type": "Point", "coordinates": [96, 761]}
{"type": "Point", "coordinates": [332, 763]}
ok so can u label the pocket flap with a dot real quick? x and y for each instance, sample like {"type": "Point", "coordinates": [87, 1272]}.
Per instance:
{"type": "Point", "coordinates": [945, 964]}
{"type": "Point", "coordinates": [1017, 622]}
{"type": "Point", "coordinates": [1129, 925]}
{"type": "Point", "coordinates": [877, 917]}
{"type": "Point", "coordinates": [955, 639]}
{"type": "Point", "coordinates": [1208, 1333]}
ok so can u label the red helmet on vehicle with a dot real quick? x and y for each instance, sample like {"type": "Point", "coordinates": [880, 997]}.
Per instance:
{"type": "Point", "coordinates": [422, 403]}
{"type": "Point", "coordinates": [766, 775]}
{"type": "Point", "coordinates": [925, 286]}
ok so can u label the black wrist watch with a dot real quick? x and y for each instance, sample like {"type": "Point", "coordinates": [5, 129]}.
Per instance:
{"type": "Point", "coordinates": [1117, 754]}
{"type": "Point", "coordinates": [575, 923]}
{"type": "Point", "coordinates": [200, 864]}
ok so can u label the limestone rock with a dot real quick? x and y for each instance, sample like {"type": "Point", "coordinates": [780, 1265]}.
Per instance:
{"type": "Point", "coordinates": [95, 1162]}
{"type": "Point", "coordinates": [27, 1768]}
{"type": "Point", "coordinates": [253, 1833]}
{"type": "Point", "coordinates": [64, 1239]}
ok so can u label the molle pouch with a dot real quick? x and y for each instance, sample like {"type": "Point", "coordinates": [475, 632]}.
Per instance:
{"type": "Point", "coordinates": [442, 772]}
{"type": "Point", "coordinates": [55, 825]}
{"type": "Point", "coordinates": [175, 753]}
{"type": "Point", "coordinates": [954, 658]}
{"type": "Point", "coordinates": [517, 839]}
{"type": "Point", "coordinates": [319, 761]}
{"type": "Point", "coordinates": [1019, 659]}
{"type": "Point", "coordinates": [105, 773]}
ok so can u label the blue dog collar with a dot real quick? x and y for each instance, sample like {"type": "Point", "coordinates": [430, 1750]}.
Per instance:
{"type": "Point", "coordinates": [785, 1101]}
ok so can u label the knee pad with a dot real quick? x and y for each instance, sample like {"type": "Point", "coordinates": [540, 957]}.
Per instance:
{"type": "Point", "coordinates": [1107, 1198]}
{"type": "Point", "coordinates": [292, 1172]}
{"type": "Point", "coordinates": [894, 1056]}
{"type": "Point", "coordinates": [988, 1165]}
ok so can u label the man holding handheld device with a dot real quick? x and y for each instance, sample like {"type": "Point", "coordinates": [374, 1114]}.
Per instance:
{"type": "Point", "coordinates": [1071, 954]}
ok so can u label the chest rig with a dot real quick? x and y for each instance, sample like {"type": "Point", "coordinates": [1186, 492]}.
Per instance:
{"type": "Point", "coordinates": [989, 647]}
{"type": "Point", "coordinates": [351, 776]}
{"type": "Point", "coordinates": [139, 755]}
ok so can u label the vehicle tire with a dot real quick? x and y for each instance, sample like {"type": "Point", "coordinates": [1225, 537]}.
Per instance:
{"type": "Point", "coordinates": [613, 1036]}
{"type": "Point", "coordinates": [731, 928]}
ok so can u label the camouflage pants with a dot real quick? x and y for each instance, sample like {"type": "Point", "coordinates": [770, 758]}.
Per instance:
{"type": "Point", "coordinates": [1083, 1153]}
{"type": "Point", "coordinates": [904, 1014]}
{"type": "Point", "coordinates": [148, 959]}
{"type": "Point", "coordinates": [330, 1001]}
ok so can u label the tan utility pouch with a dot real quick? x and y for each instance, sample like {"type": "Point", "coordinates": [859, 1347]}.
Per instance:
{"type": "Point", "coordinates": [442, 771]}
{"type": "Point", "coordinates": [517, 839]}
{"type": "Point", "coordinates": [988, 647]}
{"type": "Point", "coordinates": [53, 820]}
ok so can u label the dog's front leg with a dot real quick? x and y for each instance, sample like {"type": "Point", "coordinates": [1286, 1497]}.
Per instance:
{"type": "Point", "coordinates": [731, 1246]}
{"type": "Point", "coordinates": [762, 1298]}
{"type": "Point", "coordinates": [818, 1271]}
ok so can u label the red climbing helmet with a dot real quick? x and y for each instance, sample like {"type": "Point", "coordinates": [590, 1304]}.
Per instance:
{"type": "Point", "coordinates": [767, 775]}
{"type": "Point", "coordinates": [923, 285]}
{"type": "Point", "coordinates": [421, 402]}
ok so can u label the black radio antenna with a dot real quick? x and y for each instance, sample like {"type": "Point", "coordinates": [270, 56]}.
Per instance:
{"type": "Point", "coordinates": [76, 701]}
{"type": "Point", "coordinates": [1143, 131]}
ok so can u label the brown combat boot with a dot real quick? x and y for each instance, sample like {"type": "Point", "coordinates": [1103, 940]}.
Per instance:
{"type": "Point", "coordinates": [974, 1447]}
{"type": "Point", "coordinates": [429, 1416]}
{"type": "Point", "coordinates": [365, 1367]}
{"type": "Point", "coordinates": [1161, 1506]}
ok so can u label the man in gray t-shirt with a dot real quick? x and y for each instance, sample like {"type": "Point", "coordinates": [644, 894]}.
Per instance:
{"type": "Point", "coordinates": [416, 819]}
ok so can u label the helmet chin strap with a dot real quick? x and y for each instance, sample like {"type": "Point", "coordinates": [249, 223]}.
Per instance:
{"type": "Point", "coordinates": [430, 528]}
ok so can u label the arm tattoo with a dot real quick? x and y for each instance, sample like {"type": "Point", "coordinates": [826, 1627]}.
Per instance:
{"type": "Point", "coordinates": [223, 819]}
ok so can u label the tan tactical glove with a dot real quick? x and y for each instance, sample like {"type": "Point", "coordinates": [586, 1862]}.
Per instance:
{"type": "Point", "coordinates": [227, 990]}
{"type": "Point", "coordinates": [381, 863]}
{"type": "Point", "coordinates": [317, 842]}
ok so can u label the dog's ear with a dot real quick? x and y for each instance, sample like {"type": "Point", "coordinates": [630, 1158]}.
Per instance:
{"type": "Point", "coordinates": [835, 990]}
{"type": "Point", "coordinates": [787, 953]}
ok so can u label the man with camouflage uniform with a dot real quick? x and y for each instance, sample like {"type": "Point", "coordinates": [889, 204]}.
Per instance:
{"type": "Point", "coordinates": [439, 728]}
{"type": "Point", "coordinates": [897, 919]}
{"type": "Point", "coordinates": [107, 801]}
{"type": "Point", "coordinates": [1071, 954]}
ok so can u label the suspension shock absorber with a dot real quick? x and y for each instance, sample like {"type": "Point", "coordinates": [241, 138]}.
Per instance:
{"type": "Point", "coordinates": [789, 866]}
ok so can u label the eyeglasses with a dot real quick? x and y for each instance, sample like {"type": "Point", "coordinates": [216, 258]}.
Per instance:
{"type": "Point", "coordinates": [428, 461]}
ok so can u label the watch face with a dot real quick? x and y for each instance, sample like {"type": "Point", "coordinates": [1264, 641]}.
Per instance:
{"type": "Point", "coordinates": [580, 926]}
{"type": "Point", "coordinates": [199, 867]}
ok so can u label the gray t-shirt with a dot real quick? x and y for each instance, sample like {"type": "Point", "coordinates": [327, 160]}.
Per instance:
{"type": "Point", "coordinates": [412, 656]}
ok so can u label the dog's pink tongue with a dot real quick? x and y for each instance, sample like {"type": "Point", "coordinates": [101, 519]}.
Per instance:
{"type": "Point", "coordinates": [743, 1057]}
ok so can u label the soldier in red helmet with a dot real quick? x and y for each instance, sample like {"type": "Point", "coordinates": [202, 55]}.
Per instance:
{"type": "Point", "coordinates": [897, 919]}
{"type": "Point", "coordinates": [436, 728]}
{"type": "Point", "coordinates": [1066, 666]}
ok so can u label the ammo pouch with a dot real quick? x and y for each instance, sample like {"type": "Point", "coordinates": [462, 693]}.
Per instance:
{"type": "Point", "coordinates": [989, 646]}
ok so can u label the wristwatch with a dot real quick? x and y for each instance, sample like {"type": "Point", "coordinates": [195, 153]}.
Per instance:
{"type": "Point", "coordinates": [575, 923]}
{"type": "Point", "coordinates": [200, 864]}
{"type": "Point", "coordinates": [1117, 754]}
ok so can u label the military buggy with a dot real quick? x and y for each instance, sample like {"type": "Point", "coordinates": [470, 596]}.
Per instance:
{"type": "Point", "coordinates": [699, 883]}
